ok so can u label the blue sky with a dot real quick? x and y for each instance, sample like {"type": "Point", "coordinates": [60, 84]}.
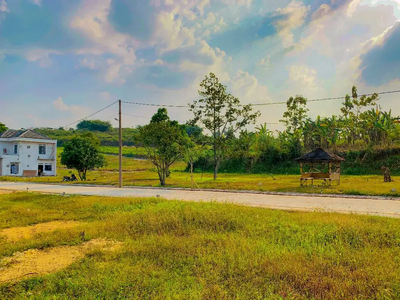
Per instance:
{"type": "Point", "coordinates": [62, 60]}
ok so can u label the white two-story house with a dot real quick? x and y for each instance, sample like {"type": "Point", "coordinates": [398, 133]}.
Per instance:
{"type": "Point", "coordinates": [27, 153]}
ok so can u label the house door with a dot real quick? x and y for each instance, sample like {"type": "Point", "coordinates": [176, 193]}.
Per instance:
{"type": "Point", "coordinates": [40, 170]}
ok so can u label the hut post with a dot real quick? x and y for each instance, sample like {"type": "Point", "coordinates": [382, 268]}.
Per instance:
{"type": "Point", "coordinates": [330, 168]}
{"type": "Point", "coordinates": [301, 168]}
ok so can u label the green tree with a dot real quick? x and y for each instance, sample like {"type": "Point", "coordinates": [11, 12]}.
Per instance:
{"type": "Point", "coordinates": [163, 140]}
{"type": "Point", "coordinates": [160, 116]}
{"type": "Point", "coordinates": [3, 127]}
{"type": "Point", "coordinates": [294, 119]}
{"type": "Point", "coordinates": [219, 112]}
{"type": "Point", "coordinates": [352, 113]}
{"type": "Point", "coordinates": [296, 114]}
{"type": "Point", "coordinates": [83, 153]}
{"type": "Point", "coordinates": [94, 125]}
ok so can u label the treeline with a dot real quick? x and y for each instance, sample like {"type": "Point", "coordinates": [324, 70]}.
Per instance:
{"type": "Point", "coordinates": [107, 135]}
{"type": "Point", "coordinates": [365, 135]}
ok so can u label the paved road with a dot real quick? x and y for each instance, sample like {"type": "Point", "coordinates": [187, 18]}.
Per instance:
{"type": "Point", "coordinates": [381, 207]}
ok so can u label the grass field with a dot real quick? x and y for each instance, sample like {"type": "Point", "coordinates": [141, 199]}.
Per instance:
{"type": "Point", "coordinates": [142, 173]}
{"type": "Point", "coordinates": [126, 151]}
{"type": "Point", "coordinates": [182, 250]}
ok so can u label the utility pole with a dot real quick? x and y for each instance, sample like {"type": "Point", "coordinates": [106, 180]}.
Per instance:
{"type": "Point", "coordinates": [120, 143]}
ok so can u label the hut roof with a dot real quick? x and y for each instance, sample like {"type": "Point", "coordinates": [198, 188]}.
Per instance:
{"type": "Point", "coordinates": [319, 155]}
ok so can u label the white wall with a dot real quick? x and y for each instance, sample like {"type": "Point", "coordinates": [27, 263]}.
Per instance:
{"type": "Point", "coordinates": [28, 156]}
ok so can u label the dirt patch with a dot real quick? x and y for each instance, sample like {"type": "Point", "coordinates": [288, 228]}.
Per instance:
{"type": "Point", "coordinates": [18, 233]}
{"type": "Point", "coordinates": [36, 262]}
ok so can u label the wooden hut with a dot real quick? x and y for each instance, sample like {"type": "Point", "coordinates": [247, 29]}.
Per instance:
{"type": "Point", "coordinates": [319, 164]}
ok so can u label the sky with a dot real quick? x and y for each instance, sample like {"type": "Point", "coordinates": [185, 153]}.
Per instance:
{"type": "Point", "coordinates": [61, 60]}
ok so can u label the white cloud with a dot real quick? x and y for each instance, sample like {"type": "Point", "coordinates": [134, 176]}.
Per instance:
{"type": "Point", "coordinates": [171, 33]}
{"type": "Point", "coordinates": [248, 89]}
{"type": "Point", "coordinates": [158, 62]}
{"type": "Point", "coordinates": [264, 62]}
{"type": "Point", "coordinates": [76, 110]}
{"type": "Point", "coordinates": [92, 21]}
{"type": "Point", "coordinates": [322, 11]}
{"type": "Point", "coordinates": [238, 2]}
{"type": "Point", "coordinates": [42, 56]}
{"type": "Point", "coordinates": [210, 19]}
{"type": "Point", "coordinates": [304, 76]}
{"type": "Point", "coordinates": [295, 13]}
{"type": "Point", "coordinates": [218, 58]}
{"type": "Point", "coordinates": [3, 6]}
{"type": "Point", "coordinates": [88, 64]}
{"type": "Point", "coordinates": [352, 7]}
{"type": "Point", "coordinates": [60, 105]}
{"type": "Point", "coordinates": [356, 61]}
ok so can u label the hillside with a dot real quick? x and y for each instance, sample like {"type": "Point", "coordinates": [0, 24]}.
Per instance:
{"type": "Point", "coordinates": [107, 138]}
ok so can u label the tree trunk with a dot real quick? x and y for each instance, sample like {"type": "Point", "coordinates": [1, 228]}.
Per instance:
{"type": "Point", "coordinates": [215, 158]}
{"type": "Point", "coordinates": [216, 166]}
{"type": "Point", "coordinates": [191, 172]}
{"type": "Point", "coordinates": [160, 177]}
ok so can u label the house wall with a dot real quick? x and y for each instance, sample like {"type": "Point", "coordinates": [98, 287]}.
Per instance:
{"type": "Point", "coordinates": [28, 157]}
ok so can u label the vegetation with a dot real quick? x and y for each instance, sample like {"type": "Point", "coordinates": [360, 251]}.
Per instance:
{"type": "Point", "coordinates": [107, 138]}
{"type": "Point", "coordinates": [220, 113]}
{"type": "Point", "coordinates": [3, 127]}
{"type": "Point", "coordinates": [180, 250]}
{"type": "Point", "coordinates": [144, 173]}
{"type": "Point", "coordinates": [94, 125]}
{"type": "Point", "coordinates": [82, 153]}
{"type": "Point", "coordinates": [163, 140]}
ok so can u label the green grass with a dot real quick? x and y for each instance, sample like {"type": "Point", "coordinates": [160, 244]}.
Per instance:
{"type": "Point", "coordinates": [182, 250]}
{"type": "Point", "coordinates": [143, 173]}
{"type": "Point", "coordinates": [128, 151]}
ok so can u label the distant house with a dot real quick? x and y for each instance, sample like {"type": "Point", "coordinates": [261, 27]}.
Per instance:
{"type": "Point", "coordinates": [27, 153]}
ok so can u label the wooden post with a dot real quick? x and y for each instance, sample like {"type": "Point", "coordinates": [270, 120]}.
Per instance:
{"type": "Point", "coordinates": [120, 144]}
{"type": "Point", "coordinates": [301, 168]}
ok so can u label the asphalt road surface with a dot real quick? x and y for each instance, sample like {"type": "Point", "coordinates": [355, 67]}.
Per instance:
{"type": "Point", "coordinates": [381, 207]}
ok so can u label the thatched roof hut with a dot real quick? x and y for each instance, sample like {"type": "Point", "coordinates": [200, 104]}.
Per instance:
{"type": "Point", "coordinates": [317, 158]}
{"type": "Point", "coordinates": [320, 156]}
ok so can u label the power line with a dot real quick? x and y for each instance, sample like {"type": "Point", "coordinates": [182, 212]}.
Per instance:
{"type": "Point", "coordinates": [90, 114]}
{"type": "Point", "coordinates": [152, 104]}
{"type": "Point", "coordinates": [327, 99]}
{"type": "Point", "coordinates": [136, 116]}
{"type": "Point", "coordinates": [262, 104]}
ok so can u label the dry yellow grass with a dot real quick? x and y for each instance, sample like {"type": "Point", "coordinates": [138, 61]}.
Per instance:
{"type": "Point", "coordinates": [17, 233]}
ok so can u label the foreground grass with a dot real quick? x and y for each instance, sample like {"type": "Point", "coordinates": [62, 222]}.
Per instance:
{"type": "Point", "coordinates": [179, 250]}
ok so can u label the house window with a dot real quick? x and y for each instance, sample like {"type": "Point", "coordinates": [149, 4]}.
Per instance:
{"type": "Point", "coordinates": [42, 149]}
{"type": "Point", "coordinates": [15, 149]}
{"type": "Point", "coordinates": [14, 168]}
{"type": "Point", "coordinates": [48, 167]}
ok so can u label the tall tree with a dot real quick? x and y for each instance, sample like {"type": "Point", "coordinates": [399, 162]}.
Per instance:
{"type": "Point", "coordinates": [163, 140]}
{"type": "Point", "coordinates": [219, 111]}
{"type": "Point", "coordinates": [83, 153]}
{"type": "Point", "coordinates": [352, 109]}
{"type": "Point", "coordinates": [294, 118]}
{"type": "Point", "coordinates": [296, 114]}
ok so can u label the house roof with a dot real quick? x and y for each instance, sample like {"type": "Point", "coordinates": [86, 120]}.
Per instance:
{"type": "Point", "coordinates": [319, 155]}
{"type": "Point", "coordinates": [26, 134]}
